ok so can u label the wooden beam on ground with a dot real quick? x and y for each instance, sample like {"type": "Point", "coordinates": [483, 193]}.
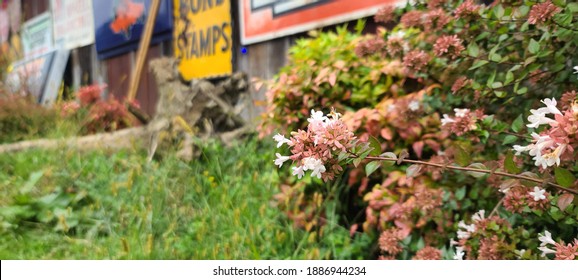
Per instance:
{"type": "Point", "coordinates": [121, 139]}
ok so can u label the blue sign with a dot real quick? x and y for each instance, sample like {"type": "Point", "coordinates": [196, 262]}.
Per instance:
{"type": "Point", "coordinates": [119, 24]}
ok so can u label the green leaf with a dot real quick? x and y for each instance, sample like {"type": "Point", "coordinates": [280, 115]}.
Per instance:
{"type": "Point", "coordinates": [510, 165]}
{"type": "Point", "coordinates": [509, 139]}
{"type": "Point", "coordinates": [371, 167]}
{"type": "Point", "coordinates": [479, 64]}
{"type": "Point", "coordinates": [413, 170]}
{"type": "Point", "coordinates": [491, 79]}
{"type": "Point", "coordinates": [488, 120]}
{"type": "Point", "coordinates": [523, 10]}
{"type": "Point", "coordinates": [476, 85]}
{"type": "Point", "coordinates": [564, 177]}
{"type": "Point", "coordinates": [499, 11]}
{"type": "Point", "coordinates": [357, 161]}
{"type": "Point", "coordinates": [375, 146]}
{"type": "Point", "coordinates": [495, 57]}
{"type": "Point", "coordinates": [420, 243]}
{"type": "Point", "coordinates": [494, 50]}
{"type": "Point", "coordinates": [485, 135]}
{"type": "Point", "coordinates": [515, 67]}
{"type": "Point", "coordinates": [533, 46]}
{"type": "Point", "coordinates": [509, 77]}
{"type": "Point", "coordinates": [518, 124]}
{"type": "Point", "coordinates": [477, 165]}
{"type": "Point", "coordinates": [530, 60]}
{"type": "Point", "coordinates": [545, 36]}
{"type": "Point", "coordinates": [563, 19]}
{"type": "Point", "coordinates": [572, 7]}
{"type": "Point", "coordinates": [559, 3]}
{"type": "Point", "coordinates": [461, 193]}
{"type": "Point", "coordinates": [359, 26]}
{"type": "Point", "coordinates": [342, 155]}
{"type": "Point", "coordinates": [556, 214]}
{"type": "Point", "coordinates": [473, 49]}
{"type": "Point", "coordinates": [365, 153]}
{"type": "Point", "coordinates": [32, 180]}
{"type": "Point", "coordinates": [500, 93]}
{"type": "Point", "coordinates": [525, 26]}
{"type": "Point", "coordinates": [388, 155]}
{"type": "Point", "coordinates": [461, 157]}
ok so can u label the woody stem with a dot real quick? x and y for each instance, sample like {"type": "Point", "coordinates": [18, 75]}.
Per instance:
{"type": "Point", "coordinates": [499, 173]}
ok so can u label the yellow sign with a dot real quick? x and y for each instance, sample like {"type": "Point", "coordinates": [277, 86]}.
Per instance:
{"type": "Point", "coordinates": [202, 38]}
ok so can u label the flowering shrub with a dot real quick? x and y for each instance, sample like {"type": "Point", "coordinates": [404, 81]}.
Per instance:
{"type": "Point", "coordinates": [90, 95]}
{"type": "Point", "coordinates": [96, 114]}
{"type": "Point", "coordinates": [556, 142]}
{"type": "Point", "coordinates": [460, 80]}
{"type": "Point", "coordinates": [317, 73]}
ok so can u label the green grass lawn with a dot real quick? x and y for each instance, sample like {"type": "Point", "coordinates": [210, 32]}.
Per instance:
{"type": "Point", "coordinates": [94, 205]}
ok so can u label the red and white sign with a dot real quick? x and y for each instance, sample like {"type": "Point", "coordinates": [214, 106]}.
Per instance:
{"type": "Point", "coordinates": [263, 20]}
{"type": "Point", "coordinates": [73, 23]}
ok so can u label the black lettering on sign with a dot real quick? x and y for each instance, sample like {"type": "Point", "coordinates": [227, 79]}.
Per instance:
{"type": "Point", "coordinates": [183, 38]}
{"type": "Point", "coordinates": [201, 5]}
{"type": "Point", "coordinates": [194, 48]}
{"type": "Point", "coordinates": [203, 42]}
{"type": "Point", "coordinates": [216, 36]}
{"type": "Point", "coordinates": [225, 38]}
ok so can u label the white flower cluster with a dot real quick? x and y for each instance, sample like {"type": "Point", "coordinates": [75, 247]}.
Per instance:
{"type": "Point", "coordinates": [460, 113]}
{"type": "Point", "coordinates": [546, 239]}
{"type": "Point", "coordinates": [309, 163]}
{"type": "Point", "coordinates": [281, 140]}
{"type": "Point", "coordinates": [281, 159]}
{"type": "Point", "coordinates": [538, 116]}
{"type": "Point", "coordinates": [459, 253]}
{"type": "Point", "coordinates": [543, 142]}
{"type": "Point", "coordinates": [318, 124]}
{"type": "Point", "coordinates": [538, 194]}
{"type": "Point", "coordinates": [465, 231]}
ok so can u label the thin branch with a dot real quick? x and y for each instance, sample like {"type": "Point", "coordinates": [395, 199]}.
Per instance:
{"type": "Point", "coordinates": [505, 20]}
{"type": "Point", "coordinates": [499, 173]}
{"type": "Point", "coordinates": [495, 210]}
{"type": "Point", "coordinates": [565, 27]}
{"type": "Point", "coordinates": [489, 60]}
{"type": "Point", "coordinates": [525, 79]}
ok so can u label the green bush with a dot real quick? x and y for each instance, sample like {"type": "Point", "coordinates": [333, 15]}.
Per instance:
{"type": "Point", "coordinates": [326, 72]}
{"type": "Point", "coordinates": [465, 78]}
{"type": "Point", "coordinates": [22, 118]}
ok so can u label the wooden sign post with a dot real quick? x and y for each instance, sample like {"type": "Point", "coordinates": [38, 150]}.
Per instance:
{"type": "Point", "coordinates": [142, 51]}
